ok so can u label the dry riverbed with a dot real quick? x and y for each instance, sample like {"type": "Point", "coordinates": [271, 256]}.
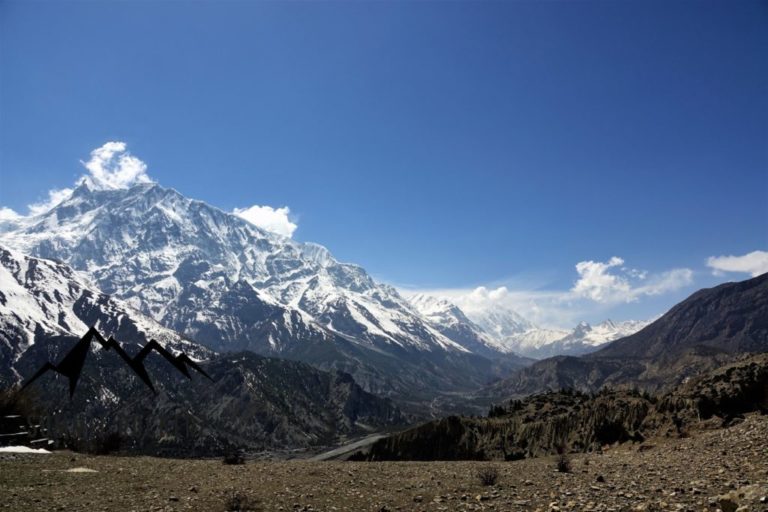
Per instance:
{"type": "Point", "coordinates": [711, 470]}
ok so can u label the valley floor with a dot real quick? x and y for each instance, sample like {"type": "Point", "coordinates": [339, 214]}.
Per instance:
{"type": "Point", "coordinates": [666, 474]}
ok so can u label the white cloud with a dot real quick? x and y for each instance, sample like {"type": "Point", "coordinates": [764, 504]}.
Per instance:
{"type": "Point", "coordinates": [544, 308]}
{"type": "Point", "coordinates": [112, 167]}
{"type": "Point", "coordinates": [605, 283]}
{"type": "Point", "coordinates": [598, 284]}
{"type": "Point", "coordinates": [601, 287]}
{"type": "Point", "coordinates": [55, 196]}
{"type": "Point", "coordinates": [665, 282]}
{"type": "Point", "coordinates": [7, 214]}
{"type": "Point", "coordinates": [753, 263]}
{"type": "Point", "coordinates": [482, 297]}
{"type": "Point", "coordinates": [275, 220]}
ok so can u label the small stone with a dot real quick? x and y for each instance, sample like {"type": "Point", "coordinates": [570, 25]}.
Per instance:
{"type": "Point", "coordinates": [600, 478]}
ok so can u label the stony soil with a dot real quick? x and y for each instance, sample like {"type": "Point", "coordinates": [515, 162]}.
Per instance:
{"type": "Point", "coordinates": [713, 469]}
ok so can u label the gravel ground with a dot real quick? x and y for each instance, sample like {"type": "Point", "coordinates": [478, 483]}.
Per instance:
{"type": "Point", "coordinates": [716, 469]}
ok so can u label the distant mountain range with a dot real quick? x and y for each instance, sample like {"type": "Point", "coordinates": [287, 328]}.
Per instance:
{"type": "Point", "coordinates": [496, 329]}
{"type": "Point", "coordinates": [706, 330]}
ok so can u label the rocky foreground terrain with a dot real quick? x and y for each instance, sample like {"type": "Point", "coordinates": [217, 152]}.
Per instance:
{"type": "Point", "coordinates": [719, 469]}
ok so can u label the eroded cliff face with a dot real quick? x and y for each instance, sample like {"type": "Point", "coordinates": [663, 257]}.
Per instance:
{"type": "Point", "coordinates": [543, 424]}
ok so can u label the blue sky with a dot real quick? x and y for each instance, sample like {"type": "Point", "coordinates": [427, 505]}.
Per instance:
{"type": "Point", "coordinates": [441, 145]}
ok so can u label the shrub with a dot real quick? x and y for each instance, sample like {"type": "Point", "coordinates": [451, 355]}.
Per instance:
{"type": "Point", "coordinates": [109, 443]}
{"type": "Point", "coordinates": [240, 502]}
{"type": "Point", "coordinates": [497, 411]}
{"type": "Point", "coordinates": [563, 460]}
{"type": "Point", "coordinates": [234, 457]}
{"type": "Point", "coordinates": [488, 476]}
{"type": "Point", "coordinates": [13, 401]}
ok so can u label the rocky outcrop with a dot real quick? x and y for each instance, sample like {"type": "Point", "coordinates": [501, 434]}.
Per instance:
{"type": "Point", "coordinates": [536, 426]}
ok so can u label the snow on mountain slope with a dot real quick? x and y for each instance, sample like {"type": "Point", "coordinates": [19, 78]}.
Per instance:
{"type": "Point", "coordinates": [42, 298]}
{"type": "Point", "coordinates": [215, 277]}
{"type": "Point", "coordinates": [534, 340]}
{"type": "Point", "coordinates": [498, 321]}
{"type": "Point", "coordinates": [498, 329]}
{"type": "Point", "coordinates": [606, 331]}
{"type": "Point", "coordinates": [584, 338]}
{"type": "Point", "coordinates": [450, 320]}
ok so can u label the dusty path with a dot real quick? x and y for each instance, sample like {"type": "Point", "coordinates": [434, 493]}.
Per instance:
{"type": "Point", "coordinates": [679, 474]}
{"type": "Point", "coordinates": [347, 449]}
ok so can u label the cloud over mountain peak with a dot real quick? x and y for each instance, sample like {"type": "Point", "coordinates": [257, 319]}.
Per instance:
{"type": "Point", "coordinates": [112, 166]}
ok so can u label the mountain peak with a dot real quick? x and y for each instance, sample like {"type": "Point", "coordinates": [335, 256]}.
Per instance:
{"type": "Point", "coordinates": [179, 260]}
{"type": "Point", "coordinates": [582, 328]}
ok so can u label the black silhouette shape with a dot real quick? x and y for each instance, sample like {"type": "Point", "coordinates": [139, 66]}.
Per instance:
{"type": "Point", "coordinates": [72, 364]}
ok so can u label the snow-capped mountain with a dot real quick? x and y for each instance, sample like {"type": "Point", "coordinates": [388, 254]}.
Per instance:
{"type": "Point", "coordinates": [222, 281]}
{"type": "Point", "coordinates": [450, 320]}
{"type": "Point", "coordinates": [173, 258]}
{"type": "Point", "coordinates": [536, 341]}
{"type": "Point", "coordinates": [498, 329]}
{"type": "Point", "coordinates": [582, 339]}
{"type": "Point", "coordinates": [606, 331]}
{"type": "Point", "coordinates": [499, 321]}
{"type": "Point", "coordinates": [45, 306]}
{"type": "Point", "coordinates": [40, 299]}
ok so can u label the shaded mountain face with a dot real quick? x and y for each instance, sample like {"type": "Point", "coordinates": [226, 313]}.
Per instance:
{"type": "Point", "coordinates": [706, 330]}
{"type": "Point", "coordinates": [542, 424]}
{"type": "Point", "coordinates": [224, 282]}
{"type": "Point", "coordinates": [254, 403]}
{"type": "Point", "coordinates": [732, 318]}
